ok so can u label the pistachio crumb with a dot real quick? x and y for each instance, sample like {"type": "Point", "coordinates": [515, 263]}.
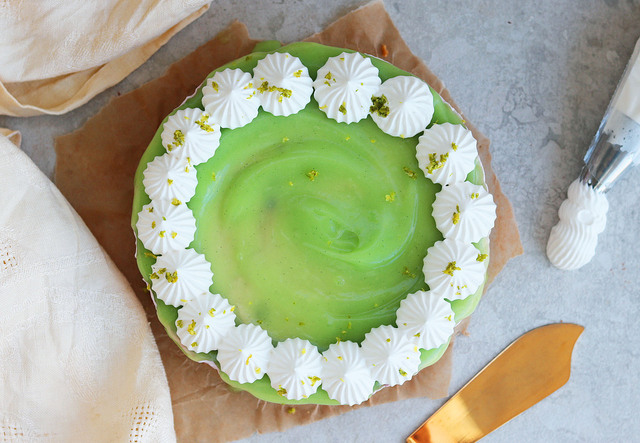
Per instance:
{"type": "Point", "coordinates": [172, 277]}
{"type": "Point", "coordinates": [312, 174]}
{"type": "Point", "coordinates": [456, 216]}
{"type": "Point", "coordinates": [450, 268]}
{"type": "Point", "coordinates": [379, 106]}
{"type": "Point", "coordinates": [408, 273]}
{"type": "Point", "coordinates": [410, 172]}
{"type": "Point", "coordinates": [435, 163]}
{"type": "Point", "coordinates": [202, 122]}
{"type": "Point", "coordinates": [178, 137]}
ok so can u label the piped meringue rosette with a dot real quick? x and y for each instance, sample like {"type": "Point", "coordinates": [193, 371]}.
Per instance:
{"type": "Point", "coordinates": [349, 88]}
{"type": "Point", "coordinates": [344, 86]}
{"type": "Point", "coordinates": [583, 216]}
{"type": "Point", "coordinates": [230, 98]}
{"type": "Point", "coordinates": [283, 84]}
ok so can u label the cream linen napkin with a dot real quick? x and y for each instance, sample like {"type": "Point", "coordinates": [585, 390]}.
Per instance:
{"type": "Point", "coordinates": [57, 55]}
{"type": "Point", "coordinates": [77, 358]}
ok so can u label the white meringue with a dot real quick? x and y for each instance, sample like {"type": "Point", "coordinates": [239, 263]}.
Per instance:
{"type": "Point", "coordinates": [404, 106]}
{"type": "Point", "coordinates": [295, 369]}
{"type": "Point", "coordinates": [427, 318]}
{"type": "Point", "coordinates": [204, 321]}
{"type": "Point", "coordinates": [344, 86]}
{"type": "Point", "coordinates": [170, 178]}
{"type": "Point", "coordinates": [283, 84]}
{"type": "Point", "coordinates": [345, 374]}
{"type": "Point", "coordinates": [583, 215]}
{"type": "Point", "coordinates": [164, 227]}
{"type": "Point", "coordinates": [453, 269]}
{"type": "Point", "coordinates": [393, 357]}
{"type": "Point", "coordinates": [190, 134]}
{"type": "Point", "coordinates": [464, 211]}
{"type": "Point", "coordinates": [446, 153]}
{"type": "Point", "coordinates": [244, 353]}
{"type": "Point", "coordinates": [229, 97]}
{"type": "Point", "coordinates": [180, 275]}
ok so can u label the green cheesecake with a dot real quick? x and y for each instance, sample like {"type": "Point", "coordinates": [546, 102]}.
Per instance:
{"type": "Point", "coordinates": [313, 229]}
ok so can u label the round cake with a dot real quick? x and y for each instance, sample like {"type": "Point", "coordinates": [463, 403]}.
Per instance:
{"type": "Point", "coordinates": [313, 222]}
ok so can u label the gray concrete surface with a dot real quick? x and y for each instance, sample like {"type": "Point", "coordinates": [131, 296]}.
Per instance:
{"type": "Point", "coordinates": [535, 77]}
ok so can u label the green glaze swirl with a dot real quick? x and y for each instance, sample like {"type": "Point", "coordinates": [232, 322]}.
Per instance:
{"type": "Point", "coordinates": [314, 229]}
{"type": "Point", "coordinates": [313, 217]}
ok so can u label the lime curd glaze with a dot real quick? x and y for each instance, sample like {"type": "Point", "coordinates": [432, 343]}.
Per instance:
{"type": "Point", "coordinates": [314, 229]}
{"type": "Point", "coordinates": [314, 217]}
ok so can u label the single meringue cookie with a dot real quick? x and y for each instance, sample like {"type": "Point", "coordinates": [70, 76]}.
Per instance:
{"type": "Point", "coordinates": [344, 86]}
{"type": "Point", "coordinates": [346, 376]}
{"type": "Point", "coordinates": [283, 84]}
{"type": "Point", "coordinates": [392, 356]}
{"type": "Point", "coordinates": [464, 211]}
{"type": "Point", "coordinates": [180, 275]}
{"type": "Point", "coordinates": [446, 153]}
{"type": "Point", "coordinates": [427, 318]}
{"type": "Point", "coordinates": [204, 321]}
{"type": "Point", "coordinates": [583, 215]}
{"type": "Point", "coordinates": [190, 134]}
{"type": "Point", "coordinates": [404, 106]}
{"type": "Point", "coordinates": [164, 226]}
{"type": "Point", "coordinates": [229, 97]}
{"type": "Point", "coordinates": [170, 178]}
{"type": "Point", "coordinates": [244, 354]}
{"type": "Point", "coordinates": [454, 269]}
{"type": "Point", "coordinates": [295, 369]}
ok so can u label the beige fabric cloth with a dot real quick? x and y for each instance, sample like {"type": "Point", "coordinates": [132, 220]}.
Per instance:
{"type": "Point", "coordinates": [78, 361]}
{"type": "Point", "coordinates": [56, 55]}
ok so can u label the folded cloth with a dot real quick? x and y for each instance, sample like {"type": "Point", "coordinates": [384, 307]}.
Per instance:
{"type": "Point", "coordinates": [78, 361]}
{"type": "Point", "coordinates": [56, 56]}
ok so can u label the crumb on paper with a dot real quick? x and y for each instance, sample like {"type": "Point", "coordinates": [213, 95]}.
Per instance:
{"type": "Point", "coordinates": [383, 50]}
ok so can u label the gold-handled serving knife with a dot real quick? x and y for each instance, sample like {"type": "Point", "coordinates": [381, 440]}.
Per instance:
{"type": "Point", "coordinates": [528, 370]}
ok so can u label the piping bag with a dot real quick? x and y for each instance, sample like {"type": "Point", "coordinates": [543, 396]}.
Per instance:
{"type": "Point", "coordinates": [614, 150]}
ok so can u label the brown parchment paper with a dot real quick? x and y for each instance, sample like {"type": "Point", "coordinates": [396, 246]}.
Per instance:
{"type": "Point", "coordinates": [95, 169]}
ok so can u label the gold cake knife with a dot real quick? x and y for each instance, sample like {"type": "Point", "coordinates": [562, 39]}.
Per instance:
{"type": "Point", "coordinates": [528, 370]}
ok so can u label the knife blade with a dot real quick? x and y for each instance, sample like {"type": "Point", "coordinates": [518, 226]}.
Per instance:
{"type": "Point", "coordinates": [528, 370]}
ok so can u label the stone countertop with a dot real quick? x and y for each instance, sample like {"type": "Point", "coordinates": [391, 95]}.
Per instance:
{"type": "Point", "coordinates": [536, 78]}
